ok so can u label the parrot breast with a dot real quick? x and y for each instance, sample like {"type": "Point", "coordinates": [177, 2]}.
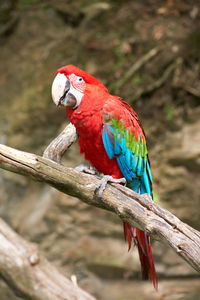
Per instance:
{"type": "Point", "coordinates": [95, 153]}
{"type": "Point", "coordinates": [89, 125]}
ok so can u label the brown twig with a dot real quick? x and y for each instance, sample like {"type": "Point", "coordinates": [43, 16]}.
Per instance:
{"type": "Point", "coordinates": [136, 66]}
{"type": "Point", "coordinates": [156, 84]}
{"type": "Point", "coordinates": [178, 83]}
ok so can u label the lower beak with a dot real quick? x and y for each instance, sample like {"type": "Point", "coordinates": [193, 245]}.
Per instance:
{"type": "Point", "coordinates": [69, 101]}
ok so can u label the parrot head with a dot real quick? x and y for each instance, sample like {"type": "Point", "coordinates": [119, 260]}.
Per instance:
{"type": "Point", "coordinates": [70, 85]}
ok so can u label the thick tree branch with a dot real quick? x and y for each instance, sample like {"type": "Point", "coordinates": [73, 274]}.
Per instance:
{"type": "Point", "coordinates": [138, 210]}
{"type": "Point", "coordinates": [30, 275]}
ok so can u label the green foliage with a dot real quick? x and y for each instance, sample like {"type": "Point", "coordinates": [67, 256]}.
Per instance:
{"type": "Point", "coordinates": [26, 3]}
{"type": "Point", "coordinates": [169, 111]}
{"type": "Point", "coordinates": [137, 80]}
{"type": "Point", "coordinates": [120, 58]}
{"type": "Point", "coordinates": [156, 197]}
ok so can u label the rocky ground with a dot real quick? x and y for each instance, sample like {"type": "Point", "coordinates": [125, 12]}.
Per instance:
{"type": "Point", "coordinates": [112, 40]}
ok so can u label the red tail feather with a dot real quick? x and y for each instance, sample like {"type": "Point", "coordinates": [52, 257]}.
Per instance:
{"type": "Point", "coordinates": [127, 235]}
{"type": "Point", "coordinates": [141, 240]}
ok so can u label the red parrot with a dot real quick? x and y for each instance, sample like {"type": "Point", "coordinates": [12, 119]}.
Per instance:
{"type": "Point", "coordinates": [113, 141]}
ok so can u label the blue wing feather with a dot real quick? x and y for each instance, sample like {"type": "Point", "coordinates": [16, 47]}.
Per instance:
{"type": "Point", "coordinates": [146, 183]}
{"type": "Point", "coordinates": [124, 168]}
{"type": "Point", "coordinates": [128, 155]}
{"type": "Point", "coordinates": [107, 143]}
{"type": "Point", "coordinates": [139, 166]}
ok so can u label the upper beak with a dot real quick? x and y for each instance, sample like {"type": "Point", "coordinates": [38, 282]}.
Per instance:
{"type": "Point", "coordinates": [64, 98]}
{"type": "Point", "coordinates": [61, 92]}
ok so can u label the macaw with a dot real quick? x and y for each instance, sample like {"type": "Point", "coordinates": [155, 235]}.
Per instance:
{"type": "Point", "coordinates": [112, 139]}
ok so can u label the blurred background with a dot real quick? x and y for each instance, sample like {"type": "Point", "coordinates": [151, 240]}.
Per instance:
{"type": "Point", "coordinates": [147, 52]}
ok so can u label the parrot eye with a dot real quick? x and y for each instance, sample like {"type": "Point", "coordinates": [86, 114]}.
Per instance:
{"type": "Point", "coordinates": [80, 79]}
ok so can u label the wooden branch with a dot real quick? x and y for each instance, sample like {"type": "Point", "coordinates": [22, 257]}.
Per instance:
{"type": "Point", "coordinates": [137, 210]}
{"type": "Point", "coordinates": [30, 275]}
{"type": "Point", "coordinates": [61, 143]}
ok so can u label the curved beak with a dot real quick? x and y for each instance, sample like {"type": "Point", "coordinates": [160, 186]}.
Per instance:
{"type": "Point", "coordinates": [60, 92]}
{"type": "Point", "coordinates": [63, 100]}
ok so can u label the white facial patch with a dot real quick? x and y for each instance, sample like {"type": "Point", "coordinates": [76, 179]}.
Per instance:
{"type": "Point", "coordinates": [77, 94]}
{"type": "Point", "coordinates": [76, 88]}
{"type": "Point", "coordinates": [58, 87]}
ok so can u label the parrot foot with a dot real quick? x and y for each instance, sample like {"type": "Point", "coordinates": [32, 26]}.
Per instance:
{"type": "Point", "coordinates": [86, 169]}
{"type": "Point", "coordinates": [103, 182]}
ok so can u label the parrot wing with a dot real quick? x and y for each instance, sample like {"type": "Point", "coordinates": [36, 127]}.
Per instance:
{"type": "Point", "coordinates": [123, 138]}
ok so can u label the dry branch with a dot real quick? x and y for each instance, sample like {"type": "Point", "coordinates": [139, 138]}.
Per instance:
{"type": "Point", "coordinates": [30, 275]}
{"type": "Point", "coordinates": [61, 143]}
{"type": "Point", "coordinates": [156, 84]}
{"type": "Point", "coordinates": [178, 83]}
{"type": "Point", "coordinates": [138, 210]}
{"type": "Point", "coordinates": [136, 66]}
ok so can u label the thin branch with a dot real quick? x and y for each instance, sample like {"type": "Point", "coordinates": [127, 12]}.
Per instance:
{"type": "Point", "coordinates": [191, 90]}
{"type": "Point", "coordinates": [137, 65]}
{"type": "Point", "coordinates": [156, 84]}
{"type": "Point", "coordinates": [137, 210]}
{"type": "Point", "coordinates": [177, 82]}
{"type": "Point", "coordinates": [30, 275]}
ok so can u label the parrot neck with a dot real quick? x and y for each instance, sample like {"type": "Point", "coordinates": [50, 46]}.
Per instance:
{"type": "Point", "coordinates": [87, 118]}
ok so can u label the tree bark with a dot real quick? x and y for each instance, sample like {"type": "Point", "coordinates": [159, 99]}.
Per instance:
{"type": "Point", "coordinates": [61, 143]}
{"type": "Point", "coordinates": [29, 274]}
{"type": "Point", "coordinates": [137, 210]}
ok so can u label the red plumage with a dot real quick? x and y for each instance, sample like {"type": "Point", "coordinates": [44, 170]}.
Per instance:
{"type": "Point", "coordinates": [88, 119]}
